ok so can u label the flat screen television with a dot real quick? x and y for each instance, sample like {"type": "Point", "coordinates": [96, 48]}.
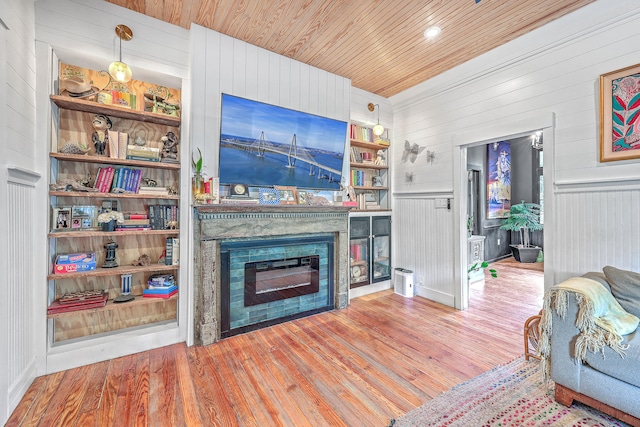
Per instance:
{"type": "Point", "coordinates": [264, 145]}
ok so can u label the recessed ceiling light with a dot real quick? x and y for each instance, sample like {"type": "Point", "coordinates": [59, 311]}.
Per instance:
{"type": "Point", "coordinates": [432, 32]}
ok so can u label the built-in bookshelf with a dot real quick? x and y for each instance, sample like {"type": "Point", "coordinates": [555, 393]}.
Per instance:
{"type": "Point", "coordinates": [133, 177]}
{"type": "Point", "coordinates": [369, 170]}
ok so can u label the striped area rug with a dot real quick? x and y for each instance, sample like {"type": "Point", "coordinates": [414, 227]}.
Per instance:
{"type": "Point", "coordinates": [509, 395]}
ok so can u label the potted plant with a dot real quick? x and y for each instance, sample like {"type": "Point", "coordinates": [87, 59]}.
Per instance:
{"type": "Point", "coordinates": [197, 181]}
{"type": "Point", "coordinates": [108, 219]}
{"type": "Point", "coordinates": [524, 218]}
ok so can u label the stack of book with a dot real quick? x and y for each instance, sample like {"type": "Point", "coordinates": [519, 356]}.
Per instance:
{"type": "Point", "coordinates": [134, 222]}
{"type": "Point", "coordinates": [172, 251]}
{"type": "Point", "coordinates": [78, 301]}
{"type": "Point", "coordinates": [158, 191]}
{"type": "Point", "coordinates": [142, 152]}
{"type": "Point", "coordinates": [163, 217]}
{"type": "Point", "coordinates": [124, 180]}
{"type": "Point", "coordinates": [160, 286]}
{"type": "Point", "coordinates": [361, 133]}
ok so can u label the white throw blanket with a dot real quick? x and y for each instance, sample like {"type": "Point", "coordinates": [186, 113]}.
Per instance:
{"type": "Point", "coordinates": [601, 320]}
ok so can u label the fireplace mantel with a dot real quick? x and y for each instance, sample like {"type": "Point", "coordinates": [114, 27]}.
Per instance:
{"type": "Point", "coordinates": [217, 223]}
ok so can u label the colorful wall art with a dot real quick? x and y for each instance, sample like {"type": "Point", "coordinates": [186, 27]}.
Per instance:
{"type": "Point", "coordinates": [498, 179]}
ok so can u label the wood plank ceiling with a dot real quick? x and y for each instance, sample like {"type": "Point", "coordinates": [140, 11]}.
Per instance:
{"type": "Point", "coordinates": [378, 44]}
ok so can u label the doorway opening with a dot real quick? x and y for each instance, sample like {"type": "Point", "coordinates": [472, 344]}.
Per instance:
{"type": "Point", "coordinates": [500, 174]}
{"type": "Point", "coordinates": [471, 175]}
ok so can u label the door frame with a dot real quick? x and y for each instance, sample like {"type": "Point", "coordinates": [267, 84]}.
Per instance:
{"type": "Point", "coordinates": [492, 132]}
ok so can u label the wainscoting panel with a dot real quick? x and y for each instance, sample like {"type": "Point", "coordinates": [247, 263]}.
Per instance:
{"type": "Point", "coordinates": [19, 290]}
{"type": "Point", "coordinates": [425, 245]}
{"type": "Point", "coordinates": [599, 228]}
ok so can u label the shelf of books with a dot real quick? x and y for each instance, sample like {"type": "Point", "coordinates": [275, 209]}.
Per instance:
{"type": "Point", "coordinates": [369, 170]}
{"type": "Point", "coordinates": [115, 209]}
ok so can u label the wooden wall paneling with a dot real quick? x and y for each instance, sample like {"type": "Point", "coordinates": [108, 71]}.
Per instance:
{"type": "Point", "coordinates": [90, 322]}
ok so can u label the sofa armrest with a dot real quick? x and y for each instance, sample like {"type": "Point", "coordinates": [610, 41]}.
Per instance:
{"type": "Point", "coordinates": [565, 368]}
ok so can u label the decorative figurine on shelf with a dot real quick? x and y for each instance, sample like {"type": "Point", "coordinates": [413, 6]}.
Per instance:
{"type": "Point", "coordinates": [381, 159]}
{"type": "Point", "coordinates": [125, 285]}
{"type": "Point", "coordinates": [377, 181]}
{"type": "Point", "coordinates": [142, 261]}
{"type": "Point", "coordinates": [169, 152]}
{"type": "Point", "coordinates": [110, 257]}
{"type": "Point", "coordinates": [100, 137]}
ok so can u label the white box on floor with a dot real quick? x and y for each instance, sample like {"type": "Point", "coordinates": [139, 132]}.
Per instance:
{"type": "Point", "coordinates": [403, 283]}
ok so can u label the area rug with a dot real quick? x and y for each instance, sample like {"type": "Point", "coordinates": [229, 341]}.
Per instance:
{"type": "Point", "coordinates": [508, 395]}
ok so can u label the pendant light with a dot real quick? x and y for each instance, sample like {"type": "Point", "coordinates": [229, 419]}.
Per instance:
{"type": "Point", "coordinates": [377, 129]}
{"type": "Point", "coordinates": [118, 70]}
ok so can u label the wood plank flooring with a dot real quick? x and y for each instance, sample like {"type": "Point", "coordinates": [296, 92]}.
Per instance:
{"type": "Point", "coordinates": [362, 366]}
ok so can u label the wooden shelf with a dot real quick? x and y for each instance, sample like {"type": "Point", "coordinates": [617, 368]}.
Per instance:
{"type": "Point", "coordinates": [369, 187]}
{"type": "Point", "coordinates": [111, 195]}
{"type": "Point", "coordinates": [371, 210]}
{"type": "Point", "coordinates": [85, 158]}
{"type": "Point", "coordinates": [98, 233]}
{"type": "Point", "coordinates": [368, 166]}
{"type": "Point", "coordinates": [113, 306]}
{"type": "Point", "coordinates": [370, 145]}
{"type": "Point", "coordinates": [355, 263]}
{"type": "Point", "coordinates": [113, 110]}
{"type": "Point", "coordinates": [116, 271]}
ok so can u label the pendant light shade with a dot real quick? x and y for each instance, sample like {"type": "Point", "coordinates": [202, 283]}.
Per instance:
{"type": "Point", "coordinates": [118, 70]}
{"type": "Point", "coordinates": [377, 129]}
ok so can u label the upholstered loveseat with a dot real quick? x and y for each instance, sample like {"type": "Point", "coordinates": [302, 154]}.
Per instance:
{"type": "Point", "coordinates": [607, 379]}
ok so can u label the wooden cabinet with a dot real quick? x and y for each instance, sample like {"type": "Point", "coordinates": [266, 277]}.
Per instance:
{"type": "Point", "coordinates": [72, 119]}
{"type": "Point", "coordinates": [369, 170]}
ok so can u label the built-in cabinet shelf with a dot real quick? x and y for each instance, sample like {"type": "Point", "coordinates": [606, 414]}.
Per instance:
{"type": "Point", "coordinates": [73, 124]}
{"type": "Point", "coordinates": [369, 178]}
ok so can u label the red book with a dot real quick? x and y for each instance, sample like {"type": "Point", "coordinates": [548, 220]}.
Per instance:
{"type": "Point", "coordinates": [56, 307]}
{"type": "Point", "coordinates": [108, 178]}
{"type": "Point", "coordinates": [136, 216]}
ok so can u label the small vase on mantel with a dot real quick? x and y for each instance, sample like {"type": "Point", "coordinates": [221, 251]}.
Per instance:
{"type": "Point", "coordinates": [197, 185]}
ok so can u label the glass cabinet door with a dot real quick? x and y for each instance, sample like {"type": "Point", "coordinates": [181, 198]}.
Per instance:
{"type": "Point", "coordinates": [381, 254]}
{"type": "Point", "coordinates": [359, 261]}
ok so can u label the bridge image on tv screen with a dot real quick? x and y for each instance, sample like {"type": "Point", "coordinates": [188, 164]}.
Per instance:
{"type": "Point", "coordinates": [266, 145]}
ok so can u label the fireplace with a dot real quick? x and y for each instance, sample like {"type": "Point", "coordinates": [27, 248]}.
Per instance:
{"type": "Point", "coordinates": [260, 265]}
{"type": "Point", "coordinates": [268, 281]}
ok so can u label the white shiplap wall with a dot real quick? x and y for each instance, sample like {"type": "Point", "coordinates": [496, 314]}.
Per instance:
{"type": "Point", "coordinates": [553, 70]}
{"type": "Point", "coordinates": [17, 153]}
{"type": "Point", "coordinates": [221, 64]}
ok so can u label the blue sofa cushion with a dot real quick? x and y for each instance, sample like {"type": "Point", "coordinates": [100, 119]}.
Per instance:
{"type": "Point", "coordinates": [625, 286]}
{"type": "Point", "coordinates": [625, 369]}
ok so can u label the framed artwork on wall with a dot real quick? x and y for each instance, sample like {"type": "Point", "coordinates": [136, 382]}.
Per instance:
{"type": "Point", "coordinates": [619, 114]}
{"type": "Point", "coordinates": [498, 179]}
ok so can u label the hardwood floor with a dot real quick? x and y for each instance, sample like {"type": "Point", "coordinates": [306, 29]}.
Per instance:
{"type": "Point", "coordinates": [362, 366]}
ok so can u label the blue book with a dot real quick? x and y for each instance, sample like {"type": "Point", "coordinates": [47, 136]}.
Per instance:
{"type": "Point", "coordinates": [160, 291]}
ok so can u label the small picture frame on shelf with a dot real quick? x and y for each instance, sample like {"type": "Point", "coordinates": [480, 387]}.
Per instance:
{"type": "Point", "coordinates": [61, 219]}
{"type": "Point", "coordinates": [269, 196]}
{"type": "Point", "coordinates": [352, 193]}
{"type": "Point", "coordinates": [288, 195]}
{"type": "Point", "coordinates": [303, 197]}
{"type": "Point", "coordinates": [83, 217]}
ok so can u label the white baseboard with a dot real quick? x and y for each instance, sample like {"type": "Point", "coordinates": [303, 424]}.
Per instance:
{"type": "Point", "coordinates": [436, 296]}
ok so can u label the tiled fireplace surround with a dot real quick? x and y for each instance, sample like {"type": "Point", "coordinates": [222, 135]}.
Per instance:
{"type": "Point", "coordinates": [229, 223]}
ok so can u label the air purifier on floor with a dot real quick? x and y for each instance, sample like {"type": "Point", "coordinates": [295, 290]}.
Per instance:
{"type": "Point", "coordinates": [403, 282]}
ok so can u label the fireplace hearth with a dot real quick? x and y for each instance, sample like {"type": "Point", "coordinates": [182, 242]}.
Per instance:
{"type": "Point", "coordinates": [260, 265]}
